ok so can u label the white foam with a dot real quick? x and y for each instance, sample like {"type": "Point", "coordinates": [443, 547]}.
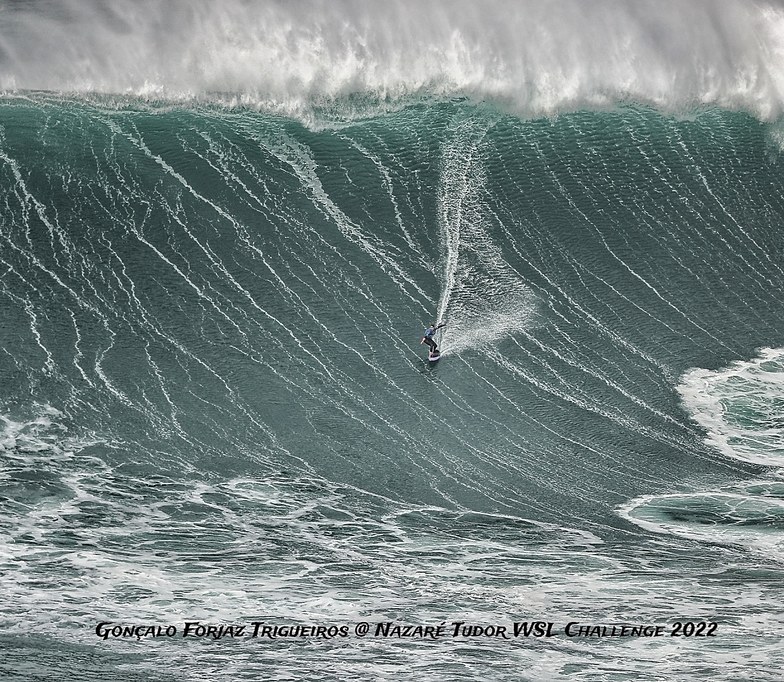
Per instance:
{"type": "Point", "coordinates": [738, 516]}
{"type": "Point", "coordinates": [533, 56]}
{"type": "Point", "coordinates": [740, 406]}
{"type": "Point", "coordinates": [483, 297]}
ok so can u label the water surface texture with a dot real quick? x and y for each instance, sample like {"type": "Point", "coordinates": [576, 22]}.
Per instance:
{"type": "Point", "coordinates": [223, 228]}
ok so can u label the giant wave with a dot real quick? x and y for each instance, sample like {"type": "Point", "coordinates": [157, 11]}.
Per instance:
{"type": "Point", "coordinates": [222, 226]}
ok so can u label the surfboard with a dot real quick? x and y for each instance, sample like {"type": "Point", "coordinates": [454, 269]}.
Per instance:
{"type": "Point", "coordinates": [433, 357]}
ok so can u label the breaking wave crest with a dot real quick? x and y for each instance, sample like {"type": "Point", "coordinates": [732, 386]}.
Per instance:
{"type": "Point", "coordinates": [349, 58]}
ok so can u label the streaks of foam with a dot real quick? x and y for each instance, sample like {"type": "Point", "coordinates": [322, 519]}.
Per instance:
{"type": "Point", "coordinates": [740, 406]}
{"type": "Point", "coordinates": [564, 192]}
{"type": "Point", "coordinates": [482, 297]}
{"type": "Point", "coordinates": [429, 466]}
{"type": "Point", "coordinates": [734, 517]}
{"type": "Point", "coordinates": [298, 158]}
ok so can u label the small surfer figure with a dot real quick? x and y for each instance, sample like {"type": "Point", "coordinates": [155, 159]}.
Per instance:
{"type": "Point", "coordinates": [429, 339]}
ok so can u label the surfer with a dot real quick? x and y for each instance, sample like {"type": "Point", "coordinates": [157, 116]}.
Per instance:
{"type": "Point", "coordinates": [430, 333]}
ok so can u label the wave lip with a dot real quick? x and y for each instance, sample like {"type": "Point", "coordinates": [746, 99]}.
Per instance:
{"type": "Point", "coordinates": [533, 57]}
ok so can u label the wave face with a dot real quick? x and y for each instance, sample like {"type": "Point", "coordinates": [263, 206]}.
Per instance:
{"type": "Point", "coordinates": [214, 404]}
{"type": "Point", "coordinates": [348, 57]}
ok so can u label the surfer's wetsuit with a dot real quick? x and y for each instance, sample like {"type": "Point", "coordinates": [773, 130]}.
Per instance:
{"type": "Point", "coordinates": [430, 332]}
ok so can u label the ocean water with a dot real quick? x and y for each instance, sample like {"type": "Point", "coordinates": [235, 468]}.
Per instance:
{"type": "Point", "coordinates": [223, 228]}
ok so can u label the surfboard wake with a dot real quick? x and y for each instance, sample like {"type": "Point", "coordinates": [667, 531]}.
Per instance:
{"type": "Point", "coordinates": [483, 297]}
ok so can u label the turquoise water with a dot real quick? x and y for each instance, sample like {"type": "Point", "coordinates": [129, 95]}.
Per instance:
{"type": "Point", "coordinates": [214, 405]}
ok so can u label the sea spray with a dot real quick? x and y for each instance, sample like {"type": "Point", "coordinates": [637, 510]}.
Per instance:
{"type": "Point", "coordinates": [483, 297]}
{"type": "Point", "coordinates": [349, 58]}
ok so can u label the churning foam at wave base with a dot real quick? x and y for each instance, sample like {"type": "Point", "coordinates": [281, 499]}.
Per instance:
{"type": "Point", "coordinates": [532, 56]}
{"type": "Point", "coordinates": [34, 435]}
{"type": "Point", "coordinates": [741, 407]}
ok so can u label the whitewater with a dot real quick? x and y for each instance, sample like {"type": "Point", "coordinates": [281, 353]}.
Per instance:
{"type": "Point", "coordinates": [223, 229]}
